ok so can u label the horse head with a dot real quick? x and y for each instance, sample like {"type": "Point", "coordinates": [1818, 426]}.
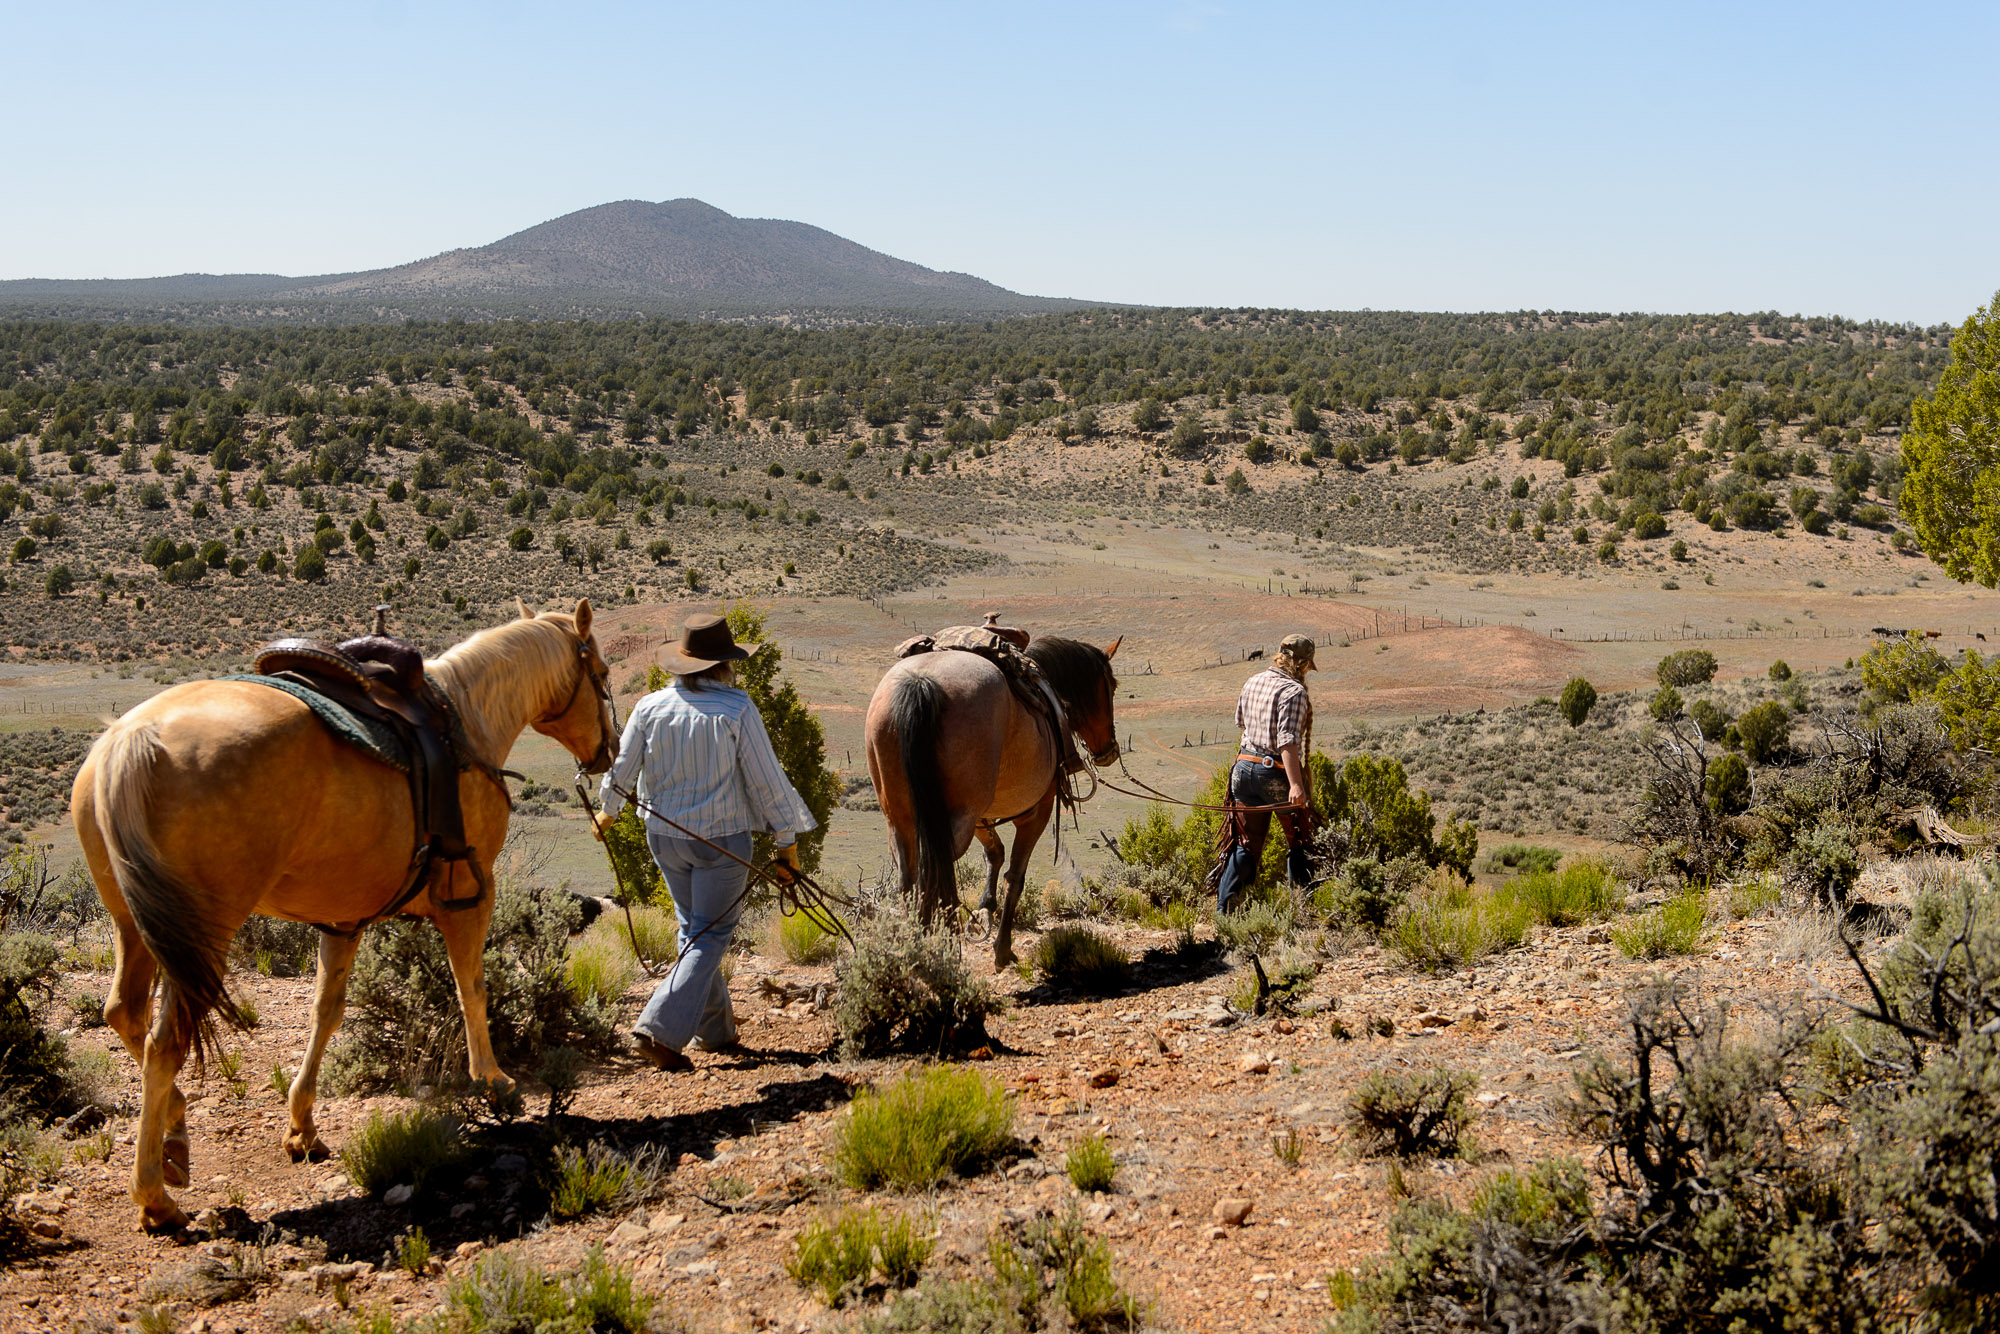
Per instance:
{"type": "Point", "coordinates": [582, 723]}
{"type": "Point", "coordinates": [1083, 679]}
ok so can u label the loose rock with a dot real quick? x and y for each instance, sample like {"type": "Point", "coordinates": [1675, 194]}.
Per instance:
{"type": "Point", "coordinates": [1232, 1211]}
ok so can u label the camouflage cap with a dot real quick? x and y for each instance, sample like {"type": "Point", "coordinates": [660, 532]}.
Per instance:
{"type": "Point", "coordinates": [1298, 647]}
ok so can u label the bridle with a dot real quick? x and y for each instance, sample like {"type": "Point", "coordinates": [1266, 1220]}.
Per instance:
{"type": "Point", "coordinates": [601, 758]}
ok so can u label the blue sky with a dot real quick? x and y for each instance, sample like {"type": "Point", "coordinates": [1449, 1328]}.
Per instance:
{"type": "Point", "coordinates": [1823, 158]}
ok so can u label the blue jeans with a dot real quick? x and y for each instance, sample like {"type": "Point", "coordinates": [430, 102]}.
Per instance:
{"type": "Point", "coordinates": [707, 887]}
{"type": "Point", "coordinates": [1259, 785]}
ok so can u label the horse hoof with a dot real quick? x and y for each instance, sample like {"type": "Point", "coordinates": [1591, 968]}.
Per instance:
{"type": "Point", "coordinates": [301, 1149]}
{"type": "Point", "coordinates": [157, 1219]}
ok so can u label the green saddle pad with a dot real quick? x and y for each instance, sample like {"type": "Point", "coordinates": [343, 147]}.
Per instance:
{"type": "Point", "coordinates": [376, 739]}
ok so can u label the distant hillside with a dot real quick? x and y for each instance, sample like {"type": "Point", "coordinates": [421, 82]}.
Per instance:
{"type": "Point", "coordinates": [680, 258]}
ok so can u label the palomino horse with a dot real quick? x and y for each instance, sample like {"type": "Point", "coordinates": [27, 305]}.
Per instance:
{"type": "Point", "coordinates": [953, 753]}
{"type": "Point", "coordinates": [217, 799]}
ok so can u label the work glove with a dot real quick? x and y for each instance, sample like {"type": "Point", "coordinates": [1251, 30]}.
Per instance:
{"type": "Point", "coordinates": [784, 866]}
{"type": "Point", "coordinates": [600, 822]}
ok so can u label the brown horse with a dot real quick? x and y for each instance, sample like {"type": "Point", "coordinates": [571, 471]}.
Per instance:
{"type": "Point", "coordinates": [217, 799]}
{"type": "Point", "coordinates": [954, 753]}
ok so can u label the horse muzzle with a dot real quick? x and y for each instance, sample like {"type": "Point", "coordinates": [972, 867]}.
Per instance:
{"type": "Point", "coordinates": [601, 759]}
{"type": "Point", "coordinates": [1106, 756]}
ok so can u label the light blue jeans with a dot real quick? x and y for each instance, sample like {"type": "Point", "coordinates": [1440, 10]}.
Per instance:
{"type": "Point", "coordinates": [693, 1000]}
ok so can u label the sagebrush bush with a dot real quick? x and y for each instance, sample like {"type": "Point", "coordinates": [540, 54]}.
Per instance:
{"type": "Point", "coordinates": [1367, 893]}
{"type": "Point", "coordinates": [906, 989]}
{"type": "Point", "coordinates": [275, 947]}
{"type": "Point", "coordinates": [1074, 1266]}
{"type": "Point", "coordinates": [912, 1134]}
{"type": "Point", "coordinates": [1523, 857]}
{"type": "Point", "coordinates": [1258, 926]}
{"type": "Point", "coordinates": [1077, 957]}
{"type": "Point", "coordinates": [402, 1149]}
{"type": "Point", "coordinates": [1452, 925]}
{"type": "Point", "coordinates": [1407, 1113]}
{"type": "Point", "coordinates": [837, 1256]}
{"type": "Point", "coordinates": [1673, 928]}
{"type": "Point", "coordinates": [505, 1291]}
{"type": "Point", "coordinates": [37, 1077]}
{"type": "Point", "coordinates": [595, 1178]}
{"type": "Point", "coordinates": [404, 1028]}
{"type": "Point", "coordinates": [1584, 891]}
{"type": "Point", "coordinates": [1090, 1166]}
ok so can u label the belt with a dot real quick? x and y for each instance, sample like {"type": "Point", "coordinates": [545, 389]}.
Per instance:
{"type": "Point", "coordinates": [1267, 761]}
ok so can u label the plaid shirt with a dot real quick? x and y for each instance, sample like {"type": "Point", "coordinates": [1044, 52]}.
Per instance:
{"type": "Point", "coordinates": [1274, 712]}
{"type": "Point", "coordinates": [703, 759]}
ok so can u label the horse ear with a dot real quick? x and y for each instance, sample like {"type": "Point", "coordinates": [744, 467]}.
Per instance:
{"type": "Point", "coordinates": [522, 607]}
{"type": "Point", "coordinates": [1111, 649]}
{"type": "Point", "coordinates": [583, 619]}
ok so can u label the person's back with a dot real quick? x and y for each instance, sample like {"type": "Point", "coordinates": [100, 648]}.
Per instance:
{"type": "Point", "coordinates": [1269, 772]}
{"type": "Point", "coordinates": [694, 743]}
{"type": "Point", "coordinates": [699, 762]}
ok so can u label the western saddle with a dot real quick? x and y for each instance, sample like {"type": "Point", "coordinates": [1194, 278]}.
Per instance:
{"type": "Point", "coordinates": [382, 679]}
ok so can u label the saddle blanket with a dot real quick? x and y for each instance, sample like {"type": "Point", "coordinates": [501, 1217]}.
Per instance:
{"type": "Point", "coordinates": [373, 738]}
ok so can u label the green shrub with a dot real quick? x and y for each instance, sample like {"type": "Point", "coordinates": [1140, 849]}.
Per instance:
{"type": "Point", "coordinates": [402, 1148]}
{"type": "Point", "coordinates": [925, 1126]}
{"type": "Point", "coordinates": [275, 947]}
{"type": "Point", "coordinates": [1454, 925]}
{"type": "Point", "coordinates": [596, 1178]}
{"type": "Point", "coordinates": [657, 931]}
{"type": "Point", "coordinates": [837, 1257]}
{"type": "Point", "coordinates": [506, 1292]}
{"type": "Point", "coordinates": [1258, 926]}
{"type": "Point", "coordinates": [1781, 670]}
{"type": "Point", "coordinates": [905, 989]}
{"type": "Point", "coordinates": [1673, 928]}
{"type": "Point", "coordinates": [1368, 893]}
{"type": "Point", "coordinates": [1665, 704]}
{"type": "Point", "coordinates": [600, 964]}
{"type": "Point", "coordinates": [1408, 1113]}
{"type": "Point", "coordinates": [404, 1027]}
{"type": "Point", "coordinates": [36, 1072]}
{"type": "Point", "coordinates": [637, 874]}
{"type": "Point", "coordinates": [1726, 785]}
{"type": "Point", "coordinates": [1583, 891]}
{"type": "Point", "coordinates": [1766, 730]}
{"type": "Point", "coordinates": [1075, 1267]}
{"type": "Point", "coordinates": [1077, 957]}
{"type": "Point", "coordinates": [804, 941]}
{"type": "Point", "coordinates": [1579, 697]}
{"type": "Point", "coordinates": [1090, 1165]}
{"type": "Point", "coordinates": [969, 1306]}
{"type": "Point", "coordinates": [1688, 667]}
{"type": "Point", "coordinates": [413, 1252]}
{"type": "Point", "coordinates": [1524, 857]}
{"type": "Point", "coordinates": [1710, 718]}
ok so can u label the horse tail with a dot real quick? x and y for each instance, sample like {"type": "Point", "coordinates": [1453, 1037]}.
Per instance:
{"type": "Point", "coordinates": [164, 906]}
{"type": "Point", "coordinates": [916, 711]}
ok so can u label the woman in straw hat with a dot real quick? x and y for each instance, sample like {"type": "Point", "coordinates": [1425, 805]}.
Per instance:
{"type": "Point", "coordinates": [702, 759]}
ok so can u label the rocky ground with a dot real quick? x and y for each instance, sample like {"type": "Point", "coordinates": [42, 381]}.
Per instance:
{"type": "Point", "coordinates": [1192, 1095]}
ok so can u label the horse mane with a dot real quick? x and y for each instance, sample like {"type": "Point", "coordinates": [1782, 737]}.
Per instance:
{"type": "Point", "coordinates": [509, 670]}
{"type": "Point", "coordinates": [1074, 669]}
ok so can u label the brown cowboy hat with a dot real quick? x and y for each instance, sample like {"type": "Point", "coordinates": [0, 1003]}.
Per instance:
{"type": "Point", "coordinates": [705, 641]}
